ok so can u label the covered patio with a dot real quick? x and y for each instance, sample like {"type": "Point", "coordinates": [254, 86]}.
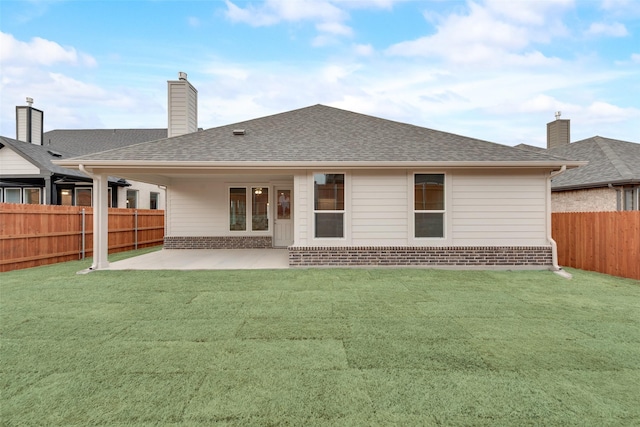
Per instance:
{"type": "Point", "coordinates": [206, 259]}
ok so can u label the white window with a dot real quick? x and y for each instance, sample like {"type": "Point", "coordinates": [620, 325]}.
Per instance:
{"type": "Point", "coordinates": [132, 199]}
{"type": "Point", "coordinates": [154, 199]}
{"type": "Point", "coordinates": [32, 196]}
{"type": "Point", "coordinates": [249, 205]}
{"type": "Point", "coordinates": [630, 199]}
{"type": "Point", "coordinates": [328, 205]}
{"type": "Point", "coordinates": [12, 195]}
{"type": "Point", "coordinates": [429, 205]}
{"type": "Point", "coordinates": [83, 197]}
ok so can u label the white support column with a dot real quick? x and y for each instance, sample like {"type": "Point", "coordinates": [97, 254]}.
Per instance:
{"type": "Point", "coordinates": [100, 222]}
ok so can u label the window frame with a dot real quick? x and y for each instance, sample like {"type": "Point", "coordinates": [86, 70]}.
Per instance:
{"type": "Point", "coordinates": [154, 195]}
{"type": "Point", "coordinates": [5, 189]}
{"type": "Point", "coordinates": [137, 198]}
{"type": "Point", "coordinates": [444, 212]}
{"type": "Point", "coordinates": [25, 198]}
{"type": "Point", "coordinates": [75, 196]}
{"type": "Point", "coordinates": [635, 198]}
{"type": "Point", "coordinates": [249, 221]}
{"type": "Point", "coordinates": [343, 211]}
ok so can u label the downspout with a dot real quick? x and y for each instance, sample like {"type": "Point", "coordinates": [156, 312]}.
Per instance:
{"type": "Point", "coordinates": [554, 246]}
{"type": "Point", "coordinates": [95, 216]}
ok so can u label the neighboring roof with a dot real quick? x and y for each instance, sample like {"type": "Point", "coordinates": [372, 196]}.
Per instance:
{"type": "Point", "coordinates": [531, 148]}
{"type": "Point", "coordinates": [611, 161]}
{"type": "Point", "coordinates": [40, 156]}
{"type": "Point", "coordinates": [87, 141]}
{"type": "Point", "coordinates": [318, 134]}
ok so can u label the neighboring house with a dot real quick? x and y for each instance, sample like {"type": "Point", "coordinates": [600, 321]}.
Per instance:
{"type": "Point", "coordinates": [28, 176]}
{"type": "Point", "coordinates": [86, 141]}
{"type": "Point", "coordinates": [341, 188]}
{"type": "Point", "coordinates": [609, 182]}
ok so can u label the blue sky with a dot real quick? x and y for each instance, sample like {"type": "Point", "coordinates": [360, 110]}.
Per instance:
{"type": "Point", "coordinates": [490, 69]}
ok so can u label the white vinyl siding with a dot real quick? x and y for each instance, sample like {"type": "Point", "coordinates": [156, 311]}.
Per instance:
{"type": "Point", "coordinates": [303, 208]}
{"type": "Point", "coordinates": [379, 208]}
{"type": "Point", "coordinates": [499, 208]}
{"type": "Point", "coordinates": [21, 123]}
{"type": "Point", "coordinates": [144, 195]}
{"type": "Point", "coordinates": [482, 208]}
{"type": "Point", "coordinates": [11, 163]}
{"type": "Point", "coordinates": [183, 108]}
{"type": "Point", "coordinates": [198, 208]}
{"type": "Point", "coordinates": [36, 127]}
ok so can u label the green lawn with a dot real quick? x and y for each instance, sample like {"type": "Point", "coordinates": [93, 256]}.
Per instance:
{"type": "Point", "coordinates": [326, 347]}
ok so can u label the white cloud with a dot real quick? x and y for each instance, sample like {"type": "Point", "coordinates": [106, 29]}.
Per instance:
{"type": "Point", "coordinates": [335, 72]}
{"type": "Point", "coordinates": [493, 34]}
{"type": "Point", "coordinates": [635, 57]}
{"type": "Point", "coordinates": [604, 112]}
{"type": "Point", "coordinates": [275, 11]}
{"type": "Point", "coordinates": [529, 12]}
{"type": "Point", "coordinates": [614, 4]}
{"type": "Point", "coordinates": [40, 51]}
{"type": "Point", "coordinates": [363, 50]}
{"type": "Point", "coordinates": [614, 29]}
{"type": "Point", "coordinates": [329, 16]}
{"type": "Point", "coordinates": [334, 28]}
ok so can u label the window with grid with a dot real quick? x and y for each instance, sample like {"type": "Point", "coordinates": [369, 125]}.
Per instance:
{"type": "Point", "coordinates": [429, 205]}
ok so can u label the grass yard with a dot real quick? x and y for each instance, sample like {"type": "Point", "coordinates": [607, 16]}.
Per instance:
{"type": "Point", "coordinates": [318, 347]}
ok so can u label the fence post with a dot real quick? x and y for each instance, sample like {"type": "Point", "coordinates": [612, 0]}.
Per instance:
{"type": "Point", "coordinates": [84, 236]}
{"type": "Point", "coordinates": [136, 229]}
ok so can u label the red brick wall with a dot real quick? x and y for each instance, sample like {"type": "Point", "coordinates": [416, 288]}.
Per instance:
{"type": "Point", "coordinates": [218, 242]}
{"type": "Point", "coordinates": [460, 256]}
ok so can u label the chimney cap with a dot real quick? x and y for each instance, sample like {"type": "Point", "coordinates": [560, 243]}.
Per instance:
{"type": "Point", "coordinates": [182, 75]}
{"type": "Point", "coordinates": [29, 101]}
{"type": "Point", "coordinates": [558, 114]}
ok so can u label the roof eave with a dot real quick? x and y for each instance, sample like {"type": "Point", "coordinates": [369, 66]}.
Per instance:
{"type": "Point", "coordinates": [266, 165]}
{"type": "Point", "coordinates": [592, 185]}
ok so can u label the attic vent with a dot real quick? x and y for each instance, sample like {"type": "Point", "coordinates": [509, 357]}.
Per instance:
{"type": "Point", "coordinates": [239, 132]}
{"type": "Point", "coordinates": [54, 153]}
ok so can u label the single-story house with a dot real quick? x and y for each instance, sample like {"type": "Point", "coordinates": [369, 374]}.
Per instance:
{"type": "Point", "coordinates": [609, 182]}
{"type": "Point", "coordinates": [340, 188]}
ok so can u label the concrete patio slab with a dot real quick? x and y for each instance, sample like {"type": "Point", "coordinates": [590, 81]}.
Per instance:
{"type": "Point", "coordinates": [206, 259]}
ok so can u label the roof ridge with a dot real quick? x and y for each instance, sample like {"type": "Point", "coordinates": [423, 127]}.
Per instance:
{"type": "Point", "coordinates": [615, 160]}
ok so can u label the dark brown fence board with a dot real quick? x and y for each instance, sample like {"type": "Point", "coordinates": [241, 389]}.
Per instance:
{"type": "Point", "coordinates": [607, 242]}
{"type": "Point", "coordinates": [32, 235]}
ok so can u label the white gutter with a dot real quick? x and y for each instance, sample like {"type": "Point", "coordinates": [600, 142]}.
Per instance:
{"type": "Point", "coordinates": [554, 247]}
{"type": "Point", "coordinates": [93, 177]}
{"type": "Point", "coordinates": [297, 165]}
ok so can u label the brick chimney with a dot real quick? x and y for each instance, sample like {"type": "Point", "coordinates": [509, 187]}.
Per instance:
{"type": "Point", "coordinates": [182, 106]}
{"type": "Point", "coordinates": [29, 123]}
{"type": "Point", "coordinates": [558, 132]}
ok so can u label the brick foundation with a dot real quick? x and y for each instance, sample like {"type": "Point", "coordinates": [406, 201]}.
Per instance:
{"type": "Point", "coordinates": [456, 256]}
{"type": "Point", "coordinates": [218, 242]}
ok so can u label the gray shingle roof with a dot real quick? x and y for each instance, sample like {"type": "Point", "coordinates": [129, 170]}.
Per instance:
{"type": "Point", "coordinates": [610, 161]}
{"type": "Point", "coordinates": [41, 156]}
{"type": "Point", "coordinates": [87, 141]}
{"type": "Point", "coordinates": [319, 133]}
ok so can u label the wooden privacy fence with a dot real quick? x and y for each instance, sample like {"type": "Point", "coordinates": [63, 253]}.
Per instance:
{"type": "Point", "coordinates": [32, 235]}
{"type": "Point", "coordinates": [607, 242]}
